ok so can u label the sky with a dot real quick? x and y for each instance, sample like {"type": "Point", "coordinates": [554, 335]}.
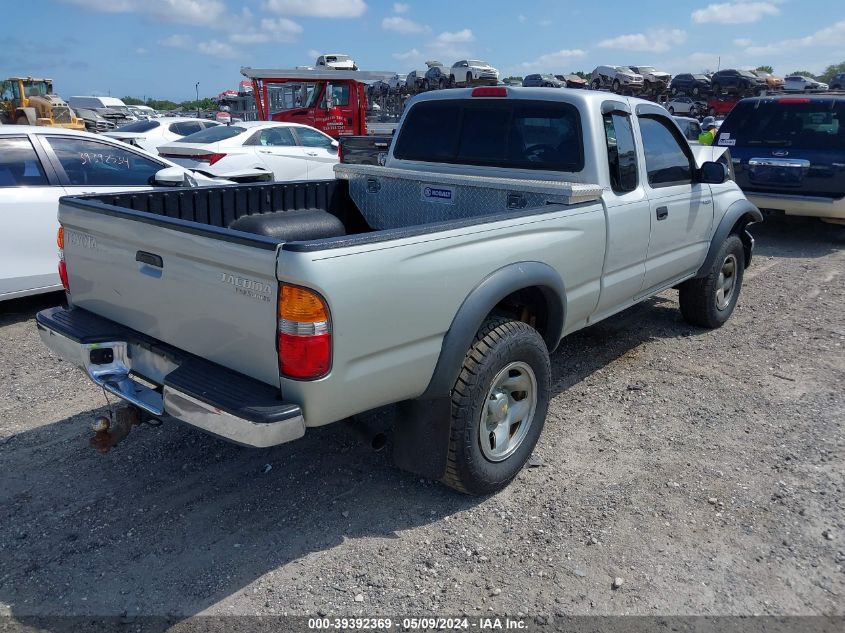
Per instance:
{"type": "Point", "coordinates": [162, 48]}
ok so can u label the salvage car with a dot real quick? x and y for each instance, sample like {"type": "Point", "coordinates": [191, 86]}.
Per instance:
{"type": "Point", "coordinates": [740, 82]}
{"type": "Point", "coordinates": [691, 84]}
{"type": "Point", "coordinates": [653, 80]}
{"type": "Point", "coordinates": [38, 165]}
{"type": "Point", "coordinates": [617, 78]}
{"type": "Point", "coordinates": [542, 81]}
{"type": "Point", "coordinates": [336, 61]}
{"type": "Point", "coordinates": [256, 150]}
{"type": "Point", "coordinates": [468, 71]}
{"type": "Point", "coordinates": [685, 105]}
{"type": "Point", "coordinates": [573, 81]}
{"type": "Point", "coordinates": [152, 134]}
{"type": "Point", "coordinates": [690, 127]}
{"type": "Point", "coordinates": [527, 213]}
{"type": "Point", "coordinates": [437, 76]}
{"type": "Point", "coordinates": [789, 153]}
{"type": "Point", "coordinates": [773, 82]}
{"type": "Point", "coordinates": [800, 83]}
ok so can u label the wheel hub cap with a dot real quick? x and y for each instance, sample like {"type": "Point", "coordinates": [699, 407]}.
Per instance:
{"type": "Point", "coordinates": [726, 283]}
{"type": "Point", "coordinates": [508, 411]}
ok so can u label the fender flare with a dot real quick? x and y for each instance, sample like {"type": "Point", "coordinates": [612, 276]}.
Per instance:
{"type": "Point", "coordinates": [741, 213]}
{"type": "Point", "coordinates": [478, 305]}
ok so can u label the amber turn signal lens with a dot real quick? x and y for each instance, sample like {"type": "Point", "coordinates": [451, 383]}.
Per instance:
{"type": "Point", "coordinates": [60, 238]}
{"type": "Point", "coordinates": [301, 305]}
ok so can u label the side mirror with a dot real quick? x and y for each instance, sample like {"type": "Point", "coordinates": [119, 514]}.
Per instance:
{"type": "Point", "coordinates": [335, 144]}
{"type": "Point", "coordinates": [171, 177]}
{"type": "Point", "coordinates": [712, 173]}
{"type": "Point", "coordinates": [329, 97]}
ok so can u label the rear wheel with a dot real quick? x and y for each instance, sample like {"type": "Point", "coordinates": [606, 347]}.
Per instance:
{"type": "Point", "coordinates": [616, 85]}
{"type": "Point", "coordinates": [717, 89]}
{"type": "Point", "coordinates": [425, 85]}
{"type": "Point", "coordinates": [469, 79]}
{"type": "Point", "coordinates": [596, 85]}
{"type": "Point", "coordinates": [709, 301]}
{"type": "Point", "coordinates": [499, 405]}
{"type": "Point", "coordinates": [696, 91]}
{"type": "Point", "coordinates": [451, 80]}
{"type": "Point", "coordinates": [443, 83]}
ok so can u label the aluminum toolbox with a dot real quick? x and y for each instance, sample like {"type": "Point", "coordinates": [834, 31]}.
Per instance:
{"type": "Point", "coordinates": [390, 198]}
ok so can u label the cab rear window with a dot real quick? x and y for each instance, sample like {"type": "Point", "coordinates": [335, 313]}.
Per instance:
{"type": "Point", "coordinates": [788, 122]}
{"type": "Point", "coordinates": [494, 133]}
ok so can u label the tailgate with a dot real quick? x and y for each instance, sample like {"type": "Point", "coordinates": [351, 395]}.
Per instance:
{"type": "Point", "coordinates": [211, 295]}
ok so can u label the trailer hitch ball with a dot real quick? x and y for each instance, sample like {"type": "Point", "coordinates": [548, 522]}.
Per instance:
{"type": "Point", "coordinates": [108, 433]}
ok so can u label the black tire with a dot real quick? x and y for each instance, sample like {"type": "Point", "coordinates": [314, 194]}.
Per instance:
{"type": "Point", "coordinates": [711, 112]}
{"type": "Point", "coordinates": [498, 344]}
{"type": "Point", "coordinates": [596, 85]}
{"type": "Point", "coordinates": [443, 84]}
{"type": "Point", "coordinates": [671, 110]}
{"type": "Point", "coordinates": [469, 79]}
{"type": "Point", "coordinates": [696, 91]}
{"type": "Point", "coordinates": [425, 85]}
{"type": "Point", "coordinates": [673, 91]}
{"type": "Point", "coordinates": [717, 89]}
{"type": "Point", "coordinates": [616, 85]}
{"type": "Point", "coordinates": [699, 298]}
{"type": "Point", "coordinates": [451, 81]}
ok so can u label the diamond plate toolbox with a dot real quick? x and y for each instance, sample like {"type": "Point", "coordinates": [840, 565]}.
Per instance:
{"type": "Point", "coordinates": [390, 198]}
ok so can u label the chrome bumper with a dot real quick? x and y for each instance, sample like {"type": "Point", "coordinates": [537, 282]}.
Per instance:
{"type": "Point", "coordinates": [110, 364]}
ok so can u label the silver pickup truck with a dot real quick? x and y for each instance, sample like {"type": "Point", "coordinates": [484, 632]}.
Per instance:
{"type": "Point", "coordinates": [503, 220]}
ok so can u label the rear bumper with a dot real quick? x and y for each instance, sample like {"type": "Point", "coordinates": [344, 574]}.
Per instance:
{"type": "Point", "coordinates": [799, 205]}
{"type": "Point", "coordinates": [205, 395]}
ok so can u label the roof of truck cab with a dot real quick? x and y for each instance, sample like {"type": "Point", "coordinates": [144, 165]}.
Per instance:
{"type": "Point", "coordinates": [564, 95]}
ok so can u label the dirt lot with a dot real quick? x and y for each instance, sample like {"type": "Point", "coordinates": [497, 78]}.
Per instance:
{"type": "Point", "coordinates": [704, 469]}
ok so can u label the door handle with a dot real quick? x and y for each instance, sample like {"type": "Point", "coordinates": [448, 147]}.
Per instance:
{"type": "Point", "coordinates": [312, 153]}
{"type": "Point", "coordinates": [662, 213]}
{"type": "Point", "coordinates": [264, 151]}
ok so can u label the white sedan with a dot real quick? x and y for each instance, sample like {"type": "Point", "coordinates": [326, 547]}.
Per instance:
{"type": "Point", "coordinates": [38, 165]}
{"type": "Point", "coordinates": [257, 150]}
{"type": "Point", "coordinates": [151, 134]}
{"type": "Point", "coordinates": [684, 106]}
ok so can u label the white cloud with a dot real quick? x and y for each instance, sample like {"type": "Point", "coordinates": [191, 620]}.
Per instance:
{"type": "Point", "coordinates": [403, 25]}
{"type": "Point", "coordinates": [412, 54]}
{"type": "Point", "coordinates": [458, 37]}
{"type": "Point", "coordinates": [318, 8]}
{"type": "Point", "coordinates": [177, 41]}
{"type": "Point", "coordinates": [658, 41]}
{"type": "Point", "coordinates": [217, 49]}
{"type": "Point", "coordinates": [833, 35]}
{"type": "Point", "coordinates": [553, 61]}
{"type": "Point", "coordinates": [212, 13]}
{"type": "Point", "coordinates": [734, 12]}
{"type": "Point", "coordinates": [400, 7]}
{"type": "Point", "coordinates": [521, 18]}
{"type": "Point", "coordinates": [743, 41]}
{"type": "Point", "coordinates": [214, 48]}
{"type": "Point", "coordinates": [545, 23]}
{"type": "Point", "coordinates": [269, 30]}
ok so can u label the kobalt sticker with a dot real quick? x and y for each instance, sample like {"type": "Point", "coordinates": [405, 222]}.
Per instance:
{"type": "Point", "coordinates": [439, 194]}
{"type": "Point", "coordinates": [727, 142]}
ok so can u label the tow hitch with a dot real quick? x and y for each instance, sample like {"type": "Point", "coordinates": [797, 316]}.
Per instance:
{"type": "Point", "coordinates": [109, 430]}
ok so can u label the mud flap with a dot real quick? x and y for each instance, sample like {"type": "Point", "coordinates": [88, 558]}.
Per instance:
{"type": "Point", "coordinates": [421, 436]}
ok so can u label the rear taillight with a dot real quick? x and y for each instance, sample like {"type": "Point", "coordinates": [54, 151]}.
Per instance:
{"type": "Point", "coordinates": [305, 340]}
{"type": "Point", "coordinates": [60, 242]}
{"type": "Point", "coordinates": [203, 158]}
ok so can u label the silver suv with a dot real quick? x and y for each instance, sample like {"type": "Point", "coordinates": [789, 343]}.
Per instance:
{"type": "Point", "coordinates": [617, 78]}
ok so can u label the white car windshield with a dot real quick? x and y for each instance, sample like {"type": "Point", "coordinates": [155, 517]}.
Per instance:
{"type": "Point", "coordinates": [476, 62]}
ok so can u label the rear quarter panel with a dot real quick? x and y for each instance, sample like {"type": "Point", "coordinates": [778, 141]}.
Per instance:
{"type": "Point", "coordinates": [392, 302]}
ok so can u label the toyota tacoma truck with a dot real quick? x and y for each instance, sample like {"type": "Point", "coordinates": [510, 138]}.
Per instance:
{"type": "Point", "coordinates": [503, 220]}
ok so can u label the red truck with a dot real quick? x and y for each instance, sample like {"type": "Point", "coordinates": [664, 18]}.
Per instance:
{"type": "Point", "coordinates": [333, 101]}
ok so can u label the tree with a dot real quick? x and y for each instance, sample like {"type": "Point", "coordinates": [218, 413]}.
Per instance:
{"type": "Point", "coordinates": [132, 101]}
{"type": "Point", "coordinates": [831, 71]}
{"type": "Point", "coordinates": [581, 74]}
{"type": "Point", "coordinates": [513, 78]}
{"type": "Point", "coordinates": [804, 73]}
{"type": "Point", "coordinates": [765, 69]}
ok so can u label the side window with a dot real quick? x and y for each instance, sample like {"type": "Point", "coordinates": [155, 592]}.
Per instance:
{"type": "Point", "coordinates": [273, 137]}
{"type": "Point", "coordinates": [313, 138]}
{"type": "Point", "coordinates": [665, 159]}
{"type": "Point", "coordinates": [19, 165]}
{"type": "Point", "coordinates": [340, 95]}
{"type": "Point", "coordinates": [621, 152]}
{"type": "Point", "coordinates": [183, 128]}
{"type": "Point", "coordinates": [90, 163]}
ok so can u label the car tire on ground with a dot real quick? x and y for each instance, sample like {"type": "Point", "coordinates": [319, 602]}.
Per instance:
{"type": "Point", "coordinates": [709, 301]}
{"type": "Point", "coordinates": [499, 405]}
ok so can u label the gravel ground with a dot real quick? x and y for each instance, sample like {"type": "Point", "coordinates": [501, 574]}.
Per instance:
{"type": "Point", "coordinates": [703, 469]}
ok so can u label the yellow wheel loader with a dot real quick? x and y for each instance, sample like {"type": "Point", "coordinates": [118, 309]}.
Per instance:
{"type": "Point", "coordinates": [30, 101]}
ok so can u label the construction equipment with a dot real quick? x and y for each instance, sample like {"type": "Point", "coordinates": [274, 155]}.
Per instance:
{"type": "Point", "coordinates": [31, 101]}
